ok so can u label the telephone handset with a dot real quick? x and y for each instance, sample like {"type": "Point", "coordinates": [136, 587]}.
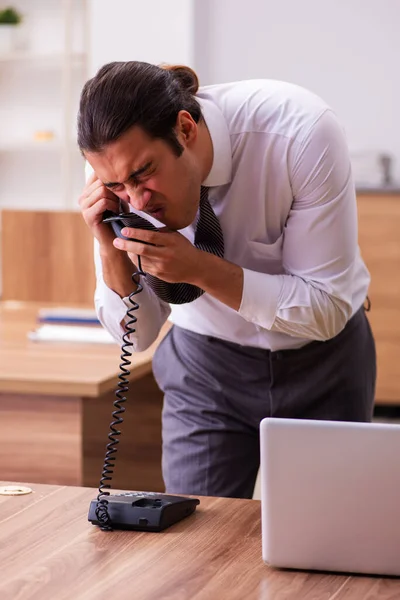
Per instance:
{"type": "Point", "coordinates": [141, 511]}
{"type": "Point", "coordinates": [121, 220]}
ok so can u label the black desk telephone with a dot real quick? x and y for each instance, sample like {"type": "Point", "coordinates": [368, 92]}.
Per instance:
{"type": "Point", "coordinates": [142, 511]}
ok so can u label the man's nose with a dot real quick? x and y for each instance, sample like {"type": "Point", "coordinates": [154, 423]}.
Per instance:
{"type": "Point", "coordinates": [139, 197]}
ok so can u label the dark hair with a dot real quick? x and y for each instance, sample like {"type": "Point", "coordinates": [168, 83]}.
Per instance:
{"type": "Point", "coordinates": [124, 94]}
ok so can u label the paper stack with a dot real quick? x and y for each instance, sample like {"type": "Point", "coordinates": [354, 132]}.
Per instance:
{"type": "Point", "coordinates": [73, 333]}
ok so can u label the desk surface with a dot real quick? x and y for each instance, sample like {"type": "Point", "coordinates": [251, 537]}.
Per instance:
{"type": "Point", "coordinates": [48, 550]}
{"type": "Point", "coordinates": [57, 368]}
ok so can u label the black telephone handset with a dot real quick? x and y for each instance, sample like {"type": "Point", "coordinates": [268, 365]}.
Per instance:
{"type": "Point", "coordinates": [142, 511]}
{"type": "Point", "coordinates": [121, 220]}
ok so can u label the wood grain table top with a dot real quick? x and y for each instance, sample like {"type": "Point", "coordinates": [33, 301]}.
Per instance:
{"type": "Point", "coordinates": [58, 368]}
{"type": "Point", "coordinates": [48, 550]}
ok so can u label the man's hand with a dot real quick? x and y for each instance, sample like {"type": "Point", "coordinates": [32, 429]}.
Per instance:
{"type": "Point", "coordinates": [117, 268]}
{"type": "Point", "coordinates": [93, 201]}
{"type": "Point", "coordinates": [172, 258]}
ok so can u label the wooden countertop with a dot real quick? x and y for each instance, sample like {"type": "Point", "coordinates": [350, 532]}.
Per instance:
{"type": "Point", "coordinates": [57, 368]}
{"type": "Point", "coordinates": [49, 551]}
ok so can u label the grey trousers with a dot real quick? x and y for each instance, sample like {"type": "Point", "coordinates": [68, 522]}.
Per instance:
{"type": "Point", "coordinates": [217, 392]}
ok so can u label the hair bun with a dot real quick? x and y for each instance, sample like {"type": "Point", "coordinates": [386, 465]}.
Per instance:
{"type": "Point", "coordinates": [186, 77]}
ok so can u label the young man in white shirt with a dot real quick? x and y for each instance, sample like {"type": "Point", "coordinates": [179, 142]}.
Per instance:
{"type": "Point", "coordinates": [277, 325]}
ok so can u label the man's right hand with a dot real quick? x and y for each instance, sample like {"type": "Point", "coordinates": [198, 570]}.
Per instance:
{"type": "Point", "coordinates": [117, 266]}
{"type": "Point", "coordinates": [93, 201]}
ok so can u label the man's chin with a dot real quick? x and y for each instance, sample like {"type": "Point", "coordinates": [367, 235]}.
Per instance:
{"type": "Point", "coordinates": [176, 225]}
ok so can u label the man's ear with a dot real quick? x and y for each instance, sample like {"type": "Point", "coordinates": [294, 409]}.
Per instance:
{"type": "Point", "coordinates": [186, 128]}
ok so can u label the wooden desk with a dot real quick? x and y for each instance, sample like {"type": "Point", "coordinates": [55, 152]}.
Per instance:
{"type": "Point", "coordinates": [379, 237]}
{"type": "Point", "coordinates": [49, 551]}
{"type": "Point", "coordinates": [56, 401]}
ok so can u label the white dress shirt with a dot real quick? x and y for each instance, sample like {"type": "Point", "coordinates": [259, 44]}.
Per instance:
{"type": "Point", "coordinates": [282, 188]}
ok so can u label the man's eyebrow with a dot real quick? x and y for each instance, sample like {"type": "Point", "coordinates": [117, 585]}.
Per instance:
{"type": "Point", "coordinates": [133, 175]}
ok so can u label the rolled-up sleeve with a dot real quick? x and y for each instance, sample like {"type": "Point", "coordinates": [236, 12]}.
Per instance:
{"type": "Point", "coordinates": [312, 299]}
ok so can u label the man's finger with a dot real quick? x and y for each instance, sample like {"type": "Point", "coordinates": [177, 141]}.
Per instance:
{"type": "Point", "coordinates": [138, 247]}
{"type": "Point", "coordinates": [157, 238]}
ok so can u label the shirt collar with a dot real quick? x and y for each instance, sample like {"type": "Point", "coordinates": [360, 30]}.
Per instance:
{"type": "Point", "coordinates": [221, 170]}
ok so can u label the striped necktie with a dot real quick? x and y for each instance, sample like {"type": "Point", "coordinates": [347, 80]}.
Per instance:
{"type": "Point", "coordinates": [208, 237]}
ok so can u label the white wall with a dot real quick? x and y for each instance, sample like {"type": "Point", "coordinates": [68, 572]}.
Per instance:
{"type": "Point", "coordinates": [153, 31]}
{"type": "Point", "coordinates": [347, 51]}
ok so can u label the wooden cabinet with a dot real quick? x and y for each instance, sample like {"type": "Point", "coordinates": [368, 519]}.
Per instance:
{"type": "Point", "coordinates": [47, 256]}
{"type": "Point", "coordinates": [379, 238]}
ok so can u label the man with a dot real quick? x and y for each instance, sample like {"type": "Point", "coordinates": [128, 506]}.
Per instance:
{"type": "Point", "coordinates": [272, 322]}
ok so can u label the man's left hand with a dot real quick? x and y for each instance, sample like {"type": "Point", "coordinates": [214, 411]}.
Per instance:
{"type": "Point", "coordinates": [171, 257]}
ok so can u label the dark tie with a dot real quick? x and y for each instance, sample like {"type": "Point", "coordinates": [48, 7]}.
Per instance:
{"type": "Point", "coordinates": [208, 237]}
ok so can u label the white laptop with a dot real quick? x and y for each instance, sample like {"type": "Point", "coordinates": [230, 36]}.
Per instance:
{"type": "Point", "coordinates": [330, 495]}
